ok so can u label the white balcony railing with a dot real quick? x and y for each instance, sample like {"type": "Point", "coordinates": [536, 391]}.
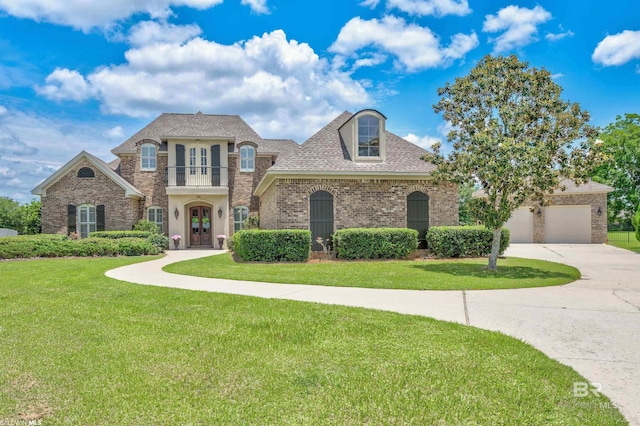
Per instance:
{"type": "Point", "coordinates": [196, 176]}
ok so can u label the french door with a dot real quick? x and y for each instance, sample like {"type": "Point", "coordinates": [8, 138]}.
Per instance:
{"type": "Point", "coordinates": [201, 226]}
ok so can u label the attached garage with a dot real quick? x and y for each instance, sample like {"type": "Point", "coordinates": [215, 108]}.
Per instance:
{"type": "Point", "coordinates": [520, 225]}
{"type": "Point", "coordinates": [567, 224]}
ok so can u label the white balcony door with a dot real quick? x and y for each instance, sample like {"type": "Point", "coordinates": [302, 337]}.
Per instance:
{"type": "Point", "coordinates": [197, 172]}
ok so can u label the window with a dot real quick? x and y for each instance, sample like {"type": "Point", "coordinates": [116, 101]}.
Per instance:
{"type": "Point", "coordinates": [86, 172]}
{"type": "Point", "coordinates": [418, 214]}
{"type": "Point", "coordinates": [86, 220]}
{"type": "Point", "coordinates": [148, 157]}
{"type": "Point", "coordinates": [154, 214]}
{"type": "Point", "coordinates": [247, 158]}
{"type": "Point", "coordinates": [192, 161]}
{"type": "Point", "coordinates": [368, 136]}
{"type": "Point", "coordinates": [203, 161]}
{"type": "Point", "coordinates": [240, 213]}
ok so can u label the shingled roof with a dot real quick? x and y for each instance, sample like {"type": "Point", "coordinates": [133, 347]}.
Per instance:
{"type": "Point", "coordinates": [168, 125]}
{"type": "Point", "coordinates": [326, 152]}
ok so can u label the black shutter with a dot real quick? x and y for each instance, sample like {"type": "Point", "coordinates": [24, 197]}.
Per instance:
{"type": "Point", "coordinates": [180, 177]}
{"type": "Point", "coordinates": [215, 165]}
{"type": "Point", "coordinates": [71, 218]}
{"type": "Point", "coordinates": [100, 217]}
{"type": "Point", "coordinates": [418, 215]}
{"type": "Point", "coordinates": [321, 217]}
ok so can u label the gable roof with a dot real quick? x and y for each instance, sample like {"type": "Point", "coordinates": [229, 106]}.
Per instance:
{"type": "Point", "coordinates": [172, 125]}
{"type": "Point", "coordinates": [326, 152]}
{"type": "Point", "coordinates": [130, 190]}
{"type": "Point", "coordinates": [590, 187]}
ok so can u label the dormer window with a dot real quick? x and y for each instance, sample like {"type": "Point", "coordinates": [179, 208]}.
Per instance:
{"type": "Point", "coordinates": [148, 157]}
{"type": "Point", "coordinates": [368, 136]}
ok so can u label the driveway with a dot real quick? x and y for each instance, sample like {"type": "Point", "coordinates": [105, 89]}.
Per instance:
{"type": "Point", "coordinates": [592, 325]}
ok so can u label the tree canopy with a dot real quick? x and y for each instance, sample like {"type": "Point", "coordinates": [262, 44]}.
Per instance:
{"type": "Point", "coordinates": [513, 135]}
{"type": "Point", "coordinates": [621, 142]}
{"type": "Point", "coordinates": [24, 218]}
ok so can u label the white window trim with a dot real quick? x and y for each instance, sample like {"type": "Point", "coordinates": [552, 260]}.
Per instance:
{"type": "Point", "coordinates": [155, 209]}
{"type": "Point", "coordinates": [380, 138]}
{"type": "Point", "coordinates": [148, 157]}
{"type": "Point", "coordinates": [250, 164]}
{"type": "Point", "coordinates": [87, 226]}
{"type": "Point", "coordinates": [238, 225]}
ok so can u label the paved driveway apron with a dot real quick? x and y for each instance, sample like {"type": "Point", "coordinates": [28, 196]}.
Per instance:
{"type": "Point", "coordinates": [592, 325]}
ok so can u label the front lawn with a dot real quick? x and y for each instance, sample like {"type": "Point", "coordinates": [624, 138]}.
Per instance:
{"type": "Point", "coordinates": [80, 348]}
{"type": "Point", "coordinates": [625, 240]}
{"type": "Point", "coordinates": [463, 274]}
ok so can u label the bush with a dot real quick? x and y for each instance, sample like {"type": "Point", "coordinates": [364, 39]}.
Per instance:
{"type": "Point", "coordinates": [121, 234]}
{"type": "Point", "coordinates": [252, 222]}
{"type": "Point", "coordinates": [375, 243]}
{"type": "Point", "coordinates": [463, 241]}
{"type": "Point", "coordinates": [146, 225]}
{"type": "Point", "coordinates": [160, 241]}
{"type": "Point", "coordinates": [26, 246]}
{"type": "Point", "coordinates": [635, 221]}
{"type": "Point", "coordinates": [289, 245]}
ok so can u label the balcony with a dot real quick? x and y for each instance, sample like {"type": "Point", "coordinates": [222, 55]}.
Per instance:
{"type": "Point", "coordinates": [196, 180]}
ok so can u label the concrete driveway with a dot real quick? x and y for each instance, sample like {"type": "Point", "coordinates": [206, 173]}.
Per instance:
{"type": "Point", "coordinates": [592, 325]}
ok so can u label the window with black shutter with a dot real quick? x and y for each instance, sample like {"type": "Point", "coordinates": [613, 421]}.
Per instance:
{"type": "Point", "coordinates": [321, 217]}
{"type": "Point", "coordinates": [71, 218]}
{"type": "Point", "coordinates": [100, 219]}
{"type": "Point", "coordinates": [418, 215]}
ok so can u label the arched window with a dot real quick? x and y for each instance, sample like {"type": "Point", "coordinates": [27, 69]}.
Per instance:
{"type": "Point", "coordinates": [418, 214]}
{"type": "Point", "coordinates": [368, 136]}
{"type": "Point", "coordinates": [320, 217]}
{"type": "Point", "coordinates": [86, 172]}
{"type": "Point", "coordinates": [240, 214]}
{"type": "Point", "coordinates": [247, 158]}
{"type": "Point", "coordinates": [154, 214]}
{"type": "Point", "coordinates": [148, 157]}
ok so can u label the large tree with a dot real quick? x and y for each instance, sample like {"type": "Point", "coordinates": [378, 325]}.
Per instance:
{"type": "Point", "coordinates": [514, 136]}
{"type": "Point", "coordinates": [23, 218]}
{"type": "Point", "coordinates": [621, 142]}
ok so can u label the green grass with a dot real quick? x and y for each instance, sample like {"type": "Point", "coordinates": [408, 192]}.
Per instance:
{"type": "Point", "coordinates": [79, 348]}
{"type": "Point", "coordinates": [624, 240]}
{"type": "Point", "coordinates": [463, 274]}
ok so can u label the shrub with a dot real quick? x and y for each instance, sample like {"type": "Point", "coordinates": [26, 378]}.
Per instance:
{"type": "Point", "coordinates": [121, 234]}
{"type": "Point", "coordinates": [635, 221]}
{"type": "Point", "coordinates": [375, 243]}
{"type": "Point", "coordinates": [160, 241]}
{"type": "Point", "coordinates": [463, 241]}
{"type": "Point", "coordinates": [289, 245]}
{"type": "Point", "coordinates": [252, 222]}
{"type": "Point", "coordinates": [26, 246]}
{"type": "Point", "coordinates": [146, 225]}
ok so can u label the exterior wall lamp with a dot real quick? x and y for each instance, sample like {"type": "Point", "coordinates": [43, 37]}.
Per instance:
{"type": "Point", "coordinates": [219, 212]}
{"type": "Point", "coordinates": [599, 212]}
{"type": "Point", "coordinates": [176, 213]}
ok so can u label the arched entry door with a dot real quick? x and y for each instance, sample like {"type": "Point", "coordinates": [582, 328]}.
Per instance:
{"type": "Point", "coordinates": [321, 217]}
{"type": "Point", "coordinates": [201, 225]}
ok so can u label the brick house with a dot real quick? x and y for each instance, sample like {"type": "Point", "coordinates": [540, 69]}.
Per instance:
{"type": "Point", "coordinates": [199, 175]}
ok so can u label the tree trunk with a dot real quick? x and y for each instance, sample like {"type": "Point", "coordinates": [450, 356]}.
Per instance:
{"type": "Point", "coordinates": [495, 250]}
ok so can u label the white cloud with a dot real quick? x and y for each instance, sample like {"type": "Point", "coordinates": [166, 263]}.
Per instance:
{"type": "Point", "coordinates": [6, 173]}
{"type": "Point", "coordinates": [150, 32]}
{"type": "Point", "coordinates": [520, 26]}
{"type": "Point", "coordinates": [431, 7]}
{"type": "Point", "coordinates": [617, 49]}
{"type": "Point", "coordinates": [557, 75]}
{"type": "Point", "coordinates": [3, 110]}
{"type": "Point", "coordinates": [279, 86]}
{"type": "Point", "coordinates": [415, 47]}
{"type": "Point", "coordinates": [372, 4]}
{"type": "Point", "coordinates": [370, 61]}
{"type": "Point", "coordinates": [114, 133]}
{"type": "Point", "coordinates": [425, 142]}
{"type": "Point", "coordinates": [257, 6]}
{"type": "Point", "coordinates": [559, 36]}
{"type": "Point", "coordinates": [63, 84]}
{"type": "Point", "coordinates": [87, 14]}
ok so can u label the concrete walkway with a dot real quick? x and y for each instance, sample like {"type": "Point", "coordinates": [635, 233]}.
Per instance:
{"type": "Point", "coordinates": [592, 325]}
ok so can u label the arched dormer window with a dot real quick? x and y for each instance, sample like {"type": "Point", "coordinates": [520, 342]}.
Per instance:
{"type": "Point", "coordinates": [86, 172]}
{"type": "Point", "coordinates": [247, 158]}
{"type": "Point", "coordinates": [148, 157]}
{"type": "Point", "coordinates": [368, 136]}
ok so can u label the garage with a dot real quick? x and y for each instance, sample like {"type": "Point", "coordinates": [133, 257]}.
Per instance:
{"type": "Point", "coordinates": [568, 224]}
{"type": "Point", "coordinates": [520, 224]}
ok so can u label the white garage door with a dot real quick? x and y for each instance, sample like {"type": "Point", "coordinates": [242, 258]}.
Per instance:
{"type": "Point", "coordinates": [568, 224]}
{"type": "Point", "coordinates": [521, 225]}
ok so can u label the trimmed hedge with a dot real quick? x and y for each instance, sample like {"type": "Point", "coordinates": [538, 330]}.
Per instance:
{"type": "Point", "coordinates": [463, 241]}
{"type": "Point", "coordinates": [120, 234]}
{"type": "Point", "coordinates": [261, 245]}
{"type": "Point", "coordinates": [26, 246]}
{"type": "Point", "coordinates": [375, 243]}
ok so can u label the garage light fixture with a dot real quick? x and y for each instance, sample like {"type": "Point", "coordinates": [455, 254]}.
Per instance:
{"type": "Point", "coordinates": [176, 213]}
{"type": "Point", "coordinates": [599, 211]}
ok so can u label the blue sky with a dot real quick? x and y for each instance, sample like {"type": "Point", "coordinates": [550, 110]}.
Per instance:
{"type": "Point", "coordinates": [86, 74]}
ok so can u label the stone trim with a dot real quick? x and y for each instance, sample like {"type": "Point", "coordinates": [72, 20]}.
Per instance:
{"type": "Point", "coordinates": [322, 187]}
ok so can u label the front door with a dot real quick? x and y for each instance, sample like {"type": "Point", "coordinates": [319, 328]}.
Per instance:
{"type": "Point", "coordinates": [201, 226]}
